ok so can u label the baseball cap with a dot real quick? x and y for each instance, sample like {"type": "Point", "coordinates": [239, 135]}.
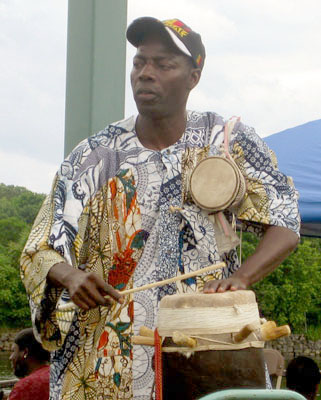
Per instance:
{"type": "Point", "coordinates": [188, 41]}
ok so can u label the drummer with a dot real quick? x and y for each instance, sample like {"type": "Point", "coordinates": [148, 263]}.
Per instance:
{"type": "Point", "coordinates": [107, 225]}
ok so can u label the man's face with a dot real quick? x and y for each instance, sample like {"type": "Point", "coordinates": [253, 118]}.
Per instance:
{"type": "Point", "coordinates": [18, 362]}
{"type": "Point", "coordinates": [161, 78]}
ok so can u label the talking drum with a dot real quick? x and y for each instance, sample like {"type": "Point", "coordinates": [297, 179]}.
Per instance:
{"type": "Point", "coordinates": [216, 361]}
{"type": "Point", "coordinates": [216, 184]}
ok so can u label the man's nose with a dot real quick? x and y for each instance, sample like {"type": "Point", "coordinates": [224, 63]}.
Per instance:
{"type": "Point", "coordinates": [147, 72]}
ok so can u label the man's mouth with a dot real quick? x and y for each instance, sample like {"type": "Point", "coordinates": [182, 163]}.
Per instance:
{"type": "Point", "coordinates": [145, 94]}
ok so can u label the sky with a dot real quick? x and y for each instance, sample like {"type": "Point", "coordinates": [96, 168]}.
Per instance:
{"type": "Point", "coordinates": [263, 64]}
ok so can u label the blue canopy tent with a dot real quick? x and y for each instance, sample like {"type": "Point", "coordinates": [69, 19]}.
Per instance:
{"type": "Point", "coordinates": [298, 151]}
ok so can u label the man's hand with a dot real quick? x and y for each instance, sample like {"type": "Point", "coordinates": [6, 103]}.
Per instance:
{"type": "Point", "coordinates": [223, 285]}
{"type": "Point", "coordinates": [87, 290]}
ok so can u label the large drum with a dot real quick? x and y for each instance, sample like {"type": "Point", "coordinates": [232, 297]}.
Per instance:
{"type": "Point", "coordinates": [217, 362]}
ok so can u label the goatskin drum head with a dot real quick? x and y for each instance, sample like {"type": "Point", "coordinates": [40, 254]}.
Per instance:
{"type": "Point", "coordinates": [214, 183]}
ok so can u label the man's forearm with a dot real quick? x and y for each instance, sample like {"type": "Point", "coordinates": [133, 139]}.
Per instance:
{"type": "Point", "coordinates": [59, 274]}
{"type": "Point", "coordinates": [276, 244]}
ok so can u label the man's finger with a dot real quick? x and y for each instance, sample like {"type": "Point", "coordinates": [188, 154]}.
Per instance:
{"type": "Point", "coordinates": [104, 289]}
{"type": "Point", "coordinates": [112, 292]}
{"type": "Point", "coordinates": [221, 289]}
{"type": "Point", "coordinates": [79, 302]}
{"type": "Point", "coordinates": [211, 287]}
{"type": "Point", "coordinates": [94, 296]}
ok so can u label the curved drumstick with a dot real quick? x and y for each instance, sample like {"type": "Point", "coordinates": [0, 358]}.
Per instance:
{"type": "Point", "coordinates": [175, 278]}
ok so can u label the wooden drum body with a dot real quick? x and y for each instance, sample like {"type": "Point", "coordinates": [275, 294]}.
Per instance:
{"type": "Point", "coordinates": [216, 363]}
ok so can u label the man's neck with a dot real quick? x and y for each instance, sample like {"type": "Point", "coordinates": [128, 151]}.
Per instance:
{"type": "Point", "coordinates": [159, 133]}
{"type": "Point", "coordinates": [35, 365]}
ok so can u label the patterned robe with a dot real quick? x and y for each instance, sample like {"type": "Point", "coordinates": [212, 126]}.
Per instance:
{"type": "Point", "coordinates": [108, 212]}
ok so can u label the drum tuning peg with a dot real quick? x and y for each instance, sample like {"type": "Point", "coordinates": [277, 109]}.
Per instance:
{"type": "Point", "coordinates": [267, 331]}
{"type": "Point", "coordinates": [147, 332]}
{"type": "Point", "coordinates": [272, 332]}
{"type": "Point", "coordinates": [244, 333]}
{"type": "Point", "coordinates": [181, 339]}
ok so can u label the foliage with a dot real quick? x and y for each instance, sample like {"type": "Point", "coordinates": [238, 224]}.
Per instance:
{"type": "Point", "coordinates": [290, 295]}
{"type": "Point", "coordinates": [16, 201]}
{"type": "Point", "coordinates": [11, 229]}
{"type": "Point", "coordinates": [314, 332]}
{"type": "Point", "coordinates": [18, 209]}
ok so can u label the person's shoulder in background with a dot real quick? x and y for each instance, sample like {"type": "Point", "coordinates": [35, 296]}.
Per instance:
{"type": "Point", "coordinates": [33, 387]}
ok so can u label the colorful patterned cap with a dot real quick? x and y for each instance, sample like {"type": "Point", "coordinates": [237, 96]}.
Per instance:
{"type": "Point", "coordinates": [188, 41]}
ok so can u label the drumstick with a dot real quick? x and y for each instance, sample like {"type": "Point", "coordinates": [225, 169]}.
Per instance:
{"type": "Point", "coordinates": [175, 278]}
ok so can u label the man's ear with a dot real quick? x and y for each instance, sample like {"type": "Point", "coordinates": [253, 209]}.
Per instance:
{"type": "Point", "coordinates": [25, 353]}
{"type": "Point", "coordinates": [195, 75]}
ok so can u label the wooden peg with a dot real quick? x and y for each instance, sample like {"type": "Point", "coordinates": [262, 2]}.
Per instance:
{"type": "Point", "coordinates": [244, 333]}
{"type": "Point", "coordinates": [269, 332]}
{"type": "Point", "coordinates": [143, 340]}
{"type": "Point", "coordinates": [181, 339]}
{"type": "Point", "coordinates": [144, 331]}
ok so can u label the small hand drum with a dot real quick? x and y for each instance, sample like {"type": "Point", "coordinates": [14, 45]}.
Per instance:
{"type": "Point", "coordinates": [217, 184]}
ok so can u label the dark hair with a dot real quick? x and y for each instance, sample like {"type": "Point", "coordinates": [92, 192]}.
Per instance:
{"type": "Point", "coordinates": [25, 339]}
{"type": "Point", "coordinates": [302, 375]}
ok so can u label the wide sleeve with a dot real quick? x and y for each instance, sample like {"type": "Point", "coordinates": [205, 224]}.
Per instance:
{"type": "Point", "coordinates": [271, 198]}
{"type": "Point", "coordinates": [52, 240]}
{"type": "Point", "coordinates": [90, 220]}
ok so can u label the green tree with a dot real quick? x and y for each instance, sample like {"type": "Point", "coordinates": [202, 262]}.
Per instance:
{"type": "Point", "coordinates": [290, 295]}
{"type": "Point", "coordinates": [10, 229]}
{"type": "Point", "coordinates": [18, 208]}
{"type": "Point", "coordinates": [19, 202]}
{"type": "Point", "coordinates": [27, 205]}
{"type": "Point", "coordinates": [14, 309]}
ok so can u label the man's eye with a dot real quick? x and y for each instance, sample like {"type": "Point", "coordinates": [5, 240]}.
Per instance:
{"type": "Point", "coordinates": [165, 66]}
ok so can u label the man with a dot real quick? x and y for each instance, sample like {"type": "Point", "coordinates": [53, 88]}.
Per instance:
{"type": "Point", "coordinates": [303, 376]}
{"type": "Point", "coordinates": [30, 363]}
{"type": "Point", "coordinates": [107, 224]}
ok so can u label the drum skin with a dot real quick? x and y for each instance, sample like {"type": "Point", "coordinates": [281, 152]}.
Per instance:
{"type": "Point", "coordinates": [216, 183]}
{"type": "Point", "coordinates": [205, 372]}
